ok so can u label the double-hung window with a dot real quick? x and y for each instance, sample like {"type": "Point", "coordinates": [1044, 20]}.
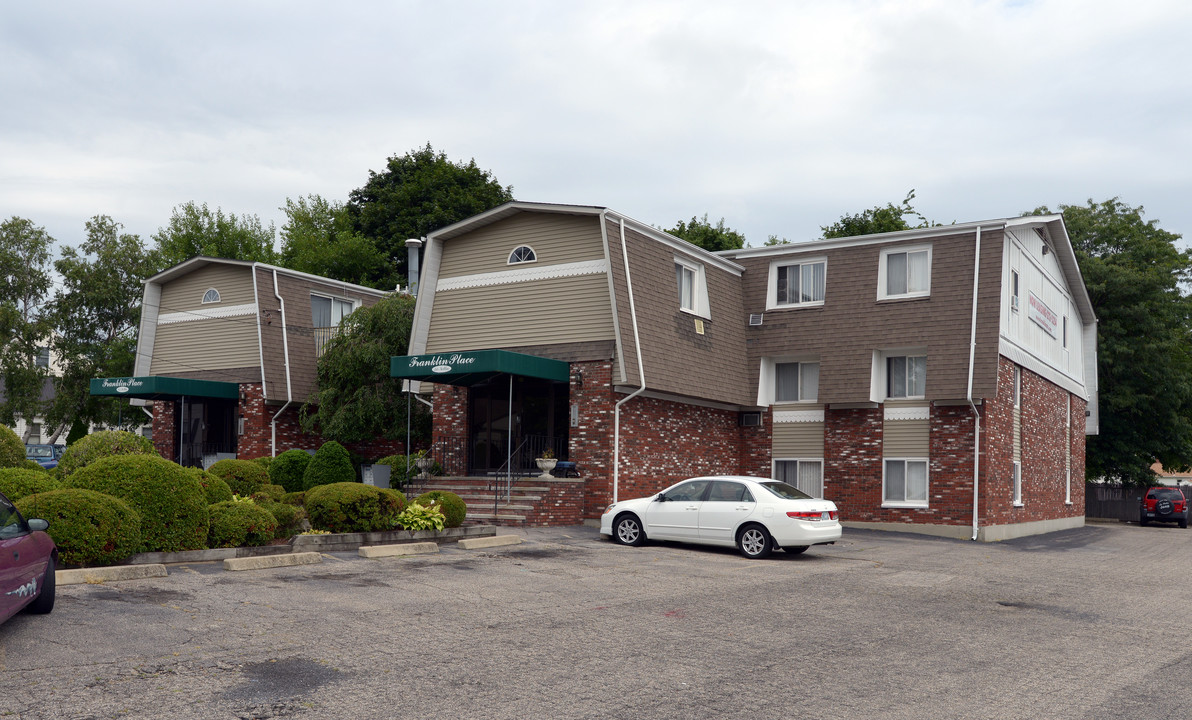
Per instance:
{"type": "Point", "coordinates": [685, 277]}
{"type": "Point", "coordinates": [796, 284]}
{"type": "Point", "coordinates": [904, 482]}
{"type": "Point", "coordinates": [904, 273]}
{"type": "Point", "coordinates": [326, 314]}
{"type": "Point", "coordinates": [806, 475]}
{"type": "Point", "coordinates": [692, 284]}
{"type": "Point", "coordinates": [796, 381]}
{"type": "Point", "coordinates": [906, 376]}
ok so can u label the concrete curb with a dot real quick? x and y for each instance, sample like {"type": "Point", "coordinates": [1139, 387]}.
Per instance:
{"type": "Point", "coordinates": [263, 562]}
{"type": "Point", "coordinates": [487, 542]}
{"type": "Point", "coordinates": [380, 551]}
{"type": "Point", "coordinates": [99, 575]}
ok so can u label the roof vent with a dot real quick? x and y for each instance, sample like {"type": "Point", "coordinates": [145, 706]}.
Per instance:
{"type": "Point", "coordinates": [755, 319]}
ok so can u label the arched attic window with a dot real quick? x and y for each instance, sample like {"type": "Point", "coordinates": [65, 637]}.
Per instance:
{"type": "Point", "coordinates": [211, 296]}
{"type": "Point", "coordinates": [522, 254]}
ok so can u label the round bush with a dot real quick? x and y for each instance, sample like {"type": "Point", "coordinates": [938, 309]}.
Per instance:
{"type": "Point", "coordinates": [269, 493]}
{"type": "Point", "coordinates": [288, 468]}
{"type": "Point", "coordinates": [264, 461]}
{"type": "Point", "coordinates": [331, 464]}
{"type": "Point", "coordinates": [33, 465]}
{"type": "Point", "coordinates": [294, 498]}
{"type": "Point", "coordinates": [237, 524]}
{"type": "Point", "coordinates": [453, 506]}
{"type": "Point", "coordinates": [288, 517]}
{"type": "Point", "coordinates": [89, 528]}
{"type": "Point", "coordinates": [353, 507]}
{"type": "Point", "coordinates": [105, 443]}
{"type": "Point", "coordinates": [215, 490]}
{"type": "Point", "coordinates": [17, 483]}
{"type": "Point", "coordinates": [245, 477]}
{"type": "Point", "coordinates": [12, 450]}
{"type": "Point", "coordinates": [170, 499]}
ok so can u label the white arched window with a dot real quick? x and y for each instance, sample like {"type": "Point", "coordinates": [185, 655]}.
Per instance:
{"type": "Point", "coordinates": [211, 296]}
{"type": "Point", "coordinates": [522, 254]}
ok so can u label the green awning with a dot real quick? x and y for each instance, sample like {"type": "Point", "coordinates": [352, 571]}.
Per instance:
{"type": "Point", "coordinates": [475, 366]}
{"type": "Point", "coordinates": [158, 387]}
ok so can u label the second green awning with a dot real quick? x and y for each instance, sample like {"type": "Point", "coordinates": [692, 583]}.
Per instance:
{"type": "Point", "coordinates": [475, 366]}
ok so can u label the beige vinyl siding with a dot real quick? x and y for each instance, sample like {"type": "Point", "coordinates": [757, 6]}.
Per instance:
{"type": "Point", "coordinates": [556, 239]}
{"type": "Point", "coordinates": [234, 284]}
{"type": "Point", "coordinates": [906, 438]}
{"type": "Point", "coordinates": [557, 310]}
{"type": "Point", "coordinates": [798, 440]}
{"type": "Point", "coordinates": [210, 344]}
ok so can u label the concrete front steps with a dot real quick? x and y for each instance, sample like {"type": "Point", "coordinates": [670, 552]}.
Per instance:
{"type": "Point", "coordinates": [477, 492]}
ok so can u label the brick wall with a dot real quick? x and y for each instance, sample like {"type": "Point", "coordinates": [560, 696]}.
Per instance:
{"type": "Point", "coordinates": [164, 439]}
{"type": "Point", "coordinates": [853, 462]}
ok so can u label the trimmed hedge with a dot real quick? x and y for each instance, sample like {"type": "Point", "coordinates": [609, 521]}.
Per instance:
{"type": "Point", "coordinates": [237, 524]}
{"type": "Point", "coordinates": [245, 477]}
{"type": "Point", "coordinates": [331, 464]}
{"type": "Point", "coordinates": [269, 493]}
{"type": "Point", "coordinates": [294, 498]}
{"type": "Point", "coordinates": [17, 483]}
{"type": "Point", "coordinates": [264, 461]}
{"type": "Point", "coordinates": [12, 450]}
{"type": "Point", "coordinates": [171, 501]}
{"type": "Point", "coordinates": [453, 506]}
{"type": "Point", "coordinates": [105, 443]}
{"type": "Point", "coordinates": [215, 490]}
{"type": "Point", "coordinates": [88, 527]}
{"type": "Point", "coordinates": [288, 468]}
{"type": "Point", "coordinates": [353, 507]}
{"type": "Point", "coordinates": [289, 517]}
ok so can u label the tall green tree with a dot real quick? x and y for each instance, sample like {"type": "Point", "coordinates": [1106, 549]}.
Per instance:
{"type": "Point", "coordinates": [197, 230]}
{"type": "Point", "coordinates": [356, 399]}
{"type": "Point", "coordinates": [24, 322]}
{"type": "Point", "coordinates": [417, 193]}
{"type": "Point", "coordinates": [319, 238]}
{"type": "Point", "coordinates": [1136, 275]}
{"type": "Point", "coordinates": [880, 219]}
{"type": "Point", "coordinates": [96, 312]}
{"type": "Point", "coordinates": [701, 232]}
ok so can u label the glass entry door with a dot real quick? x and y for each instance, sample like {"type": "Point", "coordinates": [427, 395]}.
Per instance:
{"type": "Point", "coordinates": [205, 429]}
{"type": "Point", "coordinates": [539, 420]}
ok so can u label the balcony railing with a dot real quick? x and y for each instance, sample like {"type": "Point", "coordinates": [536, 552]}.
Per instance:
{"type": "Point", "coordinates": [322, 336]}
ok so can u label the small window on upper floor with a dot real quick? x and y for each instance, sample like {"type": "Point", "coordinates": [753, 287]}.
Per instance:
{"type": "Point", "coordinates": [796, 381]}
{"type": "Point", "coordinates": [796, 284]}
{"type": "Point", "coordinates": [904, 272]}
{"type": "Point", "coordinates": [906, 376]}
{"type": "Point", "coordinates": [211, 296]}
{"type": "Point", "coordinates": [42, 358]}
{"type": "Point", "coordinates": [1014, 290]}
{"type": "Point", "coordinates": [693, 287]}
{"type": "Point", "coordinates": [522, 254]}
{"type": "Point", "coordinates": [327, 312]}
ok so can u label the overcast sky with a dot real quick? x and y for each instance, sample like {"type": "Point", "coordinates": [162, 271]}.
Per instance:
{"type": "Point", "coordinates": [777, 116]}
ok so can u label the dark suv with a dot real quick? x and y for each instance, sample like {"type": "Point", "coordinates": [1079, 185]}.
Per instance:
{"type": "Point", "coordinates": [1163, 504]}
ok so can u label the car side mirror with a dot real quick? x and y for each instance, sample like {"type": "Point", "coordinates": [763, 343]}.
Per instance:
{"type": "Point", "coordinates": [37, 524]}
{"type": "Point", "coordinates": [661, 497]}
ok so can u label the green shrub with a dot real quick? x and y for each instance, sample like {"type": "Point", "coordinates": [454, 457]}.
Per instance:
{"type": "Point", "coordinates": [89, 528]}
{"type": "Point", "coordinates": [289, 517]}
{"type": "Point", "coordinates": [12, 450]}
{"type": "Point", "coordinates": [245, 477]}
{"type": "Point", "coordinates": [353, 507]}
{"type": "Point", "coordinates": [105, 443]}
{"type": "Point", "coordinates": [453, 506]}
{"type": "Point", "coordinates": [214, 488]}
{"type": "Point", "coordinates": [421, 517]}
{"type": "Point", "coordinates": [331, 464]}
{"type": "Point", "coordinates": [17, 483]}
{"type": "Point", "coordinates": [33, 465]}
{"type": "Point", "coordinates": [170, 499]}
{"type": "Point", "coordinates": [270, 493]}
{"type": "Point", "coordinates": [237, 524]}
{"type": "Point", "coordinates": [402, 468]}
{"type": "Point", "coordinates": [264, 461]}
{"type": "Point", "coordinates": [288, 468]}
{"type": "Point", "coordinates": [294, 498]}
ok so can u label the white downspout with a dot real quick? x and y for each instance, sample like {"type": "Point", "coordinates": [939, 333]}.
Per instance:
{"type": "Point", "coordinates": [969, 396]}
{"type": "Point", "coordinates": [641, 372]}
{"type": "Point", "coordinates": [285, 343]}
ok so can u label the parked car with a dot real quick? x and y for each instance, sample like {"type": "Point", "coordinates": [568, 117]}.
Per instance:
{"type": "Point", "coordinates": [44, 455]}
{"type": "Point", "coordinates": [1163, 504]}
{"type": "Point", "coordinates": [28, 559]}
{"type": "Point", "coordinates": [755, 515]}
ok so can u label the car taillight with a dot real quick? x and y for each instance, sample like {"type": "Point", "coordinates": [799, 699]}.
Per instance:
{"type": "Point", "coordinates": [812, 515]}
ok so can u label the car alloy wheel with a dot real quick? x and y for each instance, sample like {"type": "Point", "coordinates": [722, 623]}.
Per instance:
{"type": "Point", "coordinates": [754, 542]}
{"type": "Point", "coordinates": [628, 531]}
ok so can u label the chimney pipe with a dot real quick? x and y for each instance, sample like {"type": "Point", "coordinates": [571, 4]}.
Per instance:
{"type": "Point", "coordinates": [412, 246]}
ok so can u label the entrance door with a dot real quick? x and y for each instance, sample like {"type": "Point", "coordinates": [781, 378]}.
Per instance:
{"type": "Point", "coordinates": [540, 420]}
{"type": "Point", "coordinates": [205, 427]}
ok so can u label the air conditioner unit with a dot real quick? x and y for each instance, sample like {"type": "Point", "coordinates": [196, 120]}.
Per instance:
{"type": "Point", "coordinates": [750, 419]}
{"type": "Point", "coordinates": [755, 319]}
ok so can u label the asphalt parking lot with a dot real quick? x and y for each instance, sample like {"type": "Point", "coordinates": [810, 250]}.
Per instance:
{"type": "Point", "coordinates": [1087, 623]}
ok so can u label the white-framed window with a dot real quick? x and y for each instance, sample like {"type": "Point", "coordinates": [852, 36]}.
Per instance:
{"type": "Point", "coordinates": [42, 358]}
{"type": "Point", "coordinates": [327, 312]}
{"type": "Point", "coordinates": [522, 254]}
{"type": "Point", "coordinates": [904, 482]}
{"type": "Point", "coordinates": [1065, 335]}
{"type": "Point", "coordinates": [796, 284]}
{"type": "Point", "coordinates": [692, 285]}
{"type": "Point", "coordinates": [1017, 386]}
{"type": "Point", "coordinates": [1016, 481]}
{"type": "Point", "coordinates": [796, 381]}
{"type": "Point", "coordinates": [803, 473]}
{"type": "Point", "coordinates": [904, 272]}
{"type": "Point", "coordinates": [211, 296]}
{"type": "Point", "coordinates": [906, 376]}
{"type": "Point", "coordinates": [34, 433]}
{"type": "Point", "coordinates": [1014, 290]}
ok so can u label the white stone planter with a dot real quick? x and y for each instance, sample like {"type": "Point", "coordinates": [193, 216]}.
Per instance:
{"type": "Point", "coordinates": [546, 465]}
{"type": "Point", "coordinates": [424, 464]}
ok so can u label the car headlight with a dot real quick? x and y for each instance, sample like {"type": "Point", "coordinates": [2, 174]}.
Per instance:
{"type": "Point", "coordinates": [609, 508]}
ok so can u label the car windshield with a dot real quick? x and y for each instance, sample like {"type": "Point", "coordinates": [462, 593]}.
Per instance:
{"type": "Point", "coordinates": [39, 451]}
{"type": "Point", "coordinates": [784, 491]}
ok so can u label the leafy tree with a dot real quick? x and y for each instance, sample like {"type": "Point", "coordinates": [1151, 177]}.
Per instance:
{"type": "Point", "coordinates": [356, 399]}
{"type": "Point", "coordinates": [880, 219]}
{"type": "Point", "coordinates": [24, 322]}
{"type": "Point", "coordinates": [196, 230]}
{"type": "Point", "coordinates": [1134, 272]}
{"type": "Point", "coordinates": [319, 238]}
{"type": "Point", "coordinates": [710, 237]}
{"type": "Point", "coordinates": [417, 193]}
{"type": "Point", "coordinates": [773, 240]}
{"type": "Point", "coordinates": [96, 313]}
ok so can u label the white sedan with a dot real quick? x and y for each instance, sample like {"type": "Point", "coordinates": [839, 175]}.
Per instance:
{"type": "Point", "coordinates": [753, 514]}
